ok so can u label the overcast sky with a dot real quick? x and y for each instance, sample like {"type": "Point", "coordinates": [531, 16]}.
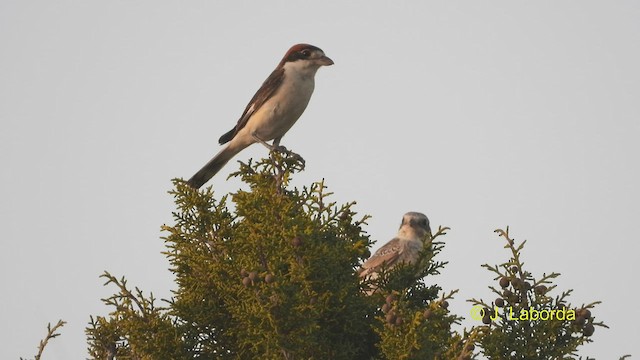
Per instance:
{"type": "Point", "coordinates": [479, 114]}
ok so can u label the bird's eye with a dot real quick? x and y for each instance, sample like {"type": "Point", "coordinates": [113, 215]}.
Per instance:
{"type": "Point", "coordinates": [305, 53]}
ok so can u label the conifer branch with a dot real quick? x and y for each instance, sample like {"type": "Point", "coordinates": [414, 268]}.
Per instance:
{"type": "Point", "coordinates": [51, 333]}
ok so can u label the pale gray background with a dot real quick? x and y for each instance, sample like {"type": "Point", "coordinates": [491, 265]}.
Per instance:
{"type": "Point", "coordinates": [480, 114]}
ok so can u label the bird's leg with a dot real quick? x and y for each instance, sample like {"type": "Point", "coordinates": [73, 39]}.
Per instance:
{"type": "Point", "coordinates": [278, 147]}
{"type": "Point", "coordinates": [275, 147]}
{"type": "Point", "coordinates": [257, 139]}
{"type": "Point", "coordinates": [272, 148]}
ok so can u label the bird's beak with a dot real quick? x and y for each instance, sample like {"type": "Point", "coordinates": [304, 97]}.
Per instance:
{"type": "Point", "coordinates": [324, 60]}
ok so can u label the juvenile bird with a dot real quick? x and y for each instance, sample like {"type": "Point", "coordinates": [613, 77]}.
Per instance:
{"type": "Point", "coordinates": [404, 248]}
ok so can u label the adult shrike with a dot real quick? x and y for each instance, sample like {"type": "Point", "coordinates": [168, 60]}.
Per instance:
{"type": "Point", "coordinates": [404, 248]}
{"type": "Point", "coordinates": [273, 110]}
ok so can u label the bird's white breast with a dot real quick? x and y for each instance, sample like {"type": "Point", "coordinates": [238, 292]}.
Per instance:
{"type": "Point", "coordinates": [284, 108]}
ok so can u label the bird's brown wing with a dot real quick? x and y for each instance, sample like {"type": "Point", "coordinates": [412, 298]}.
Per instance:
{"type": "Point", "coordinates": [387, 254]}
{"type": "Point", "coordinates": [265, 92]}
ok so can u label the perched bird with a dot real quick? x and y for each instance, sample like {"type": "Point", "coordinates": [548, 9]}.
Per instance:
{"type": "Point", "coordinates": [273, 110]}
{"type": "Point", "coordinates": [404, 248]}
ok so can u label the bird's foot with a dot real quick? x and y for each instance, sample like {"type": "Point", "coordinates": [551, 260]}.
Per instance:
{"type": "Point", "coordinates": [288, 153]}
{"type": "Point", "coordinates": [297, 157]}
{"type": "Point", "coordinates": [281, 149]}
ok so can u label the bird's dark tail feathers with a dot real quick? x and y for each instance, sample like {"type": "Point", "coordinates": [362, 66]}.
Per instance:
{"type": "Point", "coordinates": [213, 166]}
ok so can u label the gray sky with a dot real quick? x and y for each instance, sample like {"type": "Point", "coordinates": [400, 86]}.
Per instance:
{"type": "Point", "coordinates": [479, 114]}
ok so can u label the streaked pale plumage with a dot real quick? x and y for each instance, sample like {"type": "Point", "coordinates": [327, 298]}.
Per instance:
{"type": "Point", "coordinates": [404, 248]}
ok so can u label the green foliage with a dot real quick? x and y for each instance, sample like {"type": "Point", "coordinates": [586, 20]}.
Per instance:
{"type": "Point", "coordinates": [525, 321]}
{"type": "Point", "coordinates": [272, 273]}
{"type": "Point", "coordinates": [274, 280]}
{"type": "Point", "coordinates": [411, 332]}
{"type": "Point", "coordinates": [136, 329]}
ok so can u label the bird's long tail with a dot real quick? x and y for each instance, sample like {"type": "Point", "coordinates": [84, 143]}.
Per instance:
{"type": "Point", "coordinates": [214, 165]}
